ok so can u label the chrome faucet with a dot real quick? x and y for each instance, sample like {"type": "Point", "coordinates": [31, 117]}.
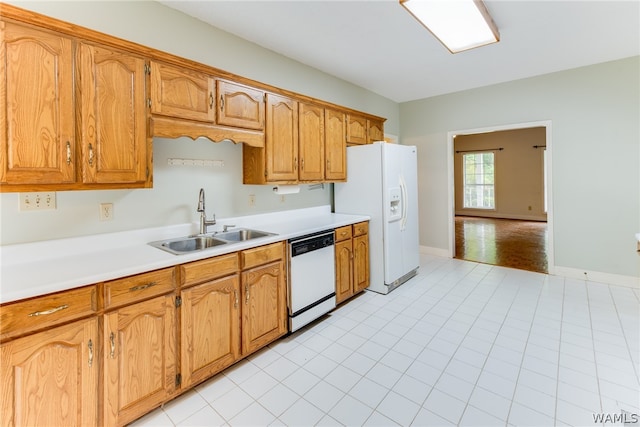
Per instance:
{"type": "Point", "coordinates": [204, 222]}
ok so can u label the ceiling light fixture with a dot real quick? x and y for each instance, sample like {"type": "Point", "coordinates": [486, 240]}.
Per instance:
{"type": "Point", "coordinates": [458, 24]}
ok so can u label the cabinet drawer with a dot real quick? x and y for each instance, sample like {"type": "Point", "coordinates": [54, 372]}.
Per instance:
{"type": "Point", "coordinates": [261, 255]}
{"type": "Point", "coordinates": [209, 269]}
{"type": "Point", "coordinates": [22, 317]}
{"type": "Point", "coordinates": [136, 288]}
{"type": "Point", "coordinates": [343, 233]}
{"type": "Point", "coordinates": [360, 228]}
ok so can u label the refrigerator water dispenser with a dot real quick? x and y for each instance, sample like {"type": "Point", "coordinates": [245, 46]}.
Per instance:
{"type": "Point", "coordinates": [395, 200]}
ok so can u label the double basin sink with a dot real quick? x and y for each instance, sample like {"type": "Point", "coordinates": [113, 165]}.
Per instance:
{"type": "Point", "coordinates": [189, 244]}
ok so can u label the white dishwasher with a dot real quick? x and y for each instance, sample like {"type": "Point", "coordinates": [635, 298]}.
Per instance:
{"type": "Point", "coordinates": [312, 279]}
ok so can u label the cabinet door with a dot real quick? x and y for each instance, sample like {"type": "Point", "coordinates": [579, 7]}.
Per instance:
{"type": "Point", "coordinates": [51, 378]}
{"type": "Point", "coordinates": [182, 93]}
{"type": "Point", "coordinates": [264, 315]}
{"type": "Point", "coordinates": [240, 106]}
{"type": "Point", "coordinates": [376, 131]}
{"type": "Point", "coordinates": [360, 263]}
{"type": "Point", "coordinates": [113, 116]}
{"type": "Point", "coordinates": [36, 107]}
{"type": "Point", "coordinates": [140, 358]}
{"type": "Point", "coordinates": [210, 328]}
{"type": "Point", "coordinates": [344, 271]}
{"type": "Point", "coordinates": [335, 145]}
{"type": "Point", "coordinates": [356, 130]}
{"type": "Point", "coordinates": [281, 144]}
{"type": "Point", "coordinates": [311, 142]}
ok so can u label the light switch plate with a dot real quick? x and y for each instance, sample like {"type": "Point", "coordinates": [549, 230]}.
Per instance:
{"type": "Point", "coordinates": [38, 201]}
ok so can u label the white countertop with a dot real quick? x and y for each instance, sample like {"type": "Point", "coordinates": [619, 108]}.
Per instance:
{"type": "Point", "coordinates": [40, 268]}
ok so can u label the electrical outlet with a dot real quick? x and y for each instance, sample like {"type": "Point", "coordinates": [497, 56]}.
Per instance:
{"type": "Point", "coordinates": [106, 211]}
{"type": "Point", "coordinates": [38, 201]}
{"type": "Point", "coordinates": [252, 199]}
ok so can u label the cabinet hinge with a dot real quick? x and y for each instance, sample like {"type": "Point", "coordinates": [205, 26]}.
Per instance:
{"type": "Point", "coordinates": [178, 380]}
{"type": "Point", "coordinates": [178, 301]}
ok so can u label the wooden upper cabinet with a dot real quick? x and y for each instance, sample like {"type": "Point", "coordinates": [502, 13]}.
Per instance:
{"type": "Point", "coordinates": [311, 142]}
{"type": "Point", "coordinates": [375, 131]}
{"type": "Point", "coordinates": [281, 143]}
{"type": "Point", "coordinates": [113, 115]}
{"type": "Point", "coordinates": [36, 99]}
{"type": "Point", "coordinates": [51, 378]}
{"type": "Point", "coordinates": [182, 93]}
{"type": "Point", "coordinates": [240, 106]}
{"type": "Point", "coordinates": [356, 129]}
{"type": "Point", "coordinates": [335, 145]}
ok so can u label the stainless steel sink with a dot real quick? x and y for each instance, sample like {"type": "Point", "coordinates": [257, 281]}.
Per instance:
{"type": "Point", "coordinates": [242, 234]}
{"type": "Point", "coordinates": [183, 245]}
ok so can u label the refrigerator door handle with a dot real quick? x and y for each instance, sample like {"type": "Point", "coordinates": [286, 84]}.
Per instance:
{"type": "Point", "coordinates": [404, 201]}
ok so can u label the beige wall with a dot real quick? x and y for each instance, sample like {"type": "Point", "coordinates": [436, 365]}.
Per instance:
{"type": "Point", "coordinates": [519, 173]}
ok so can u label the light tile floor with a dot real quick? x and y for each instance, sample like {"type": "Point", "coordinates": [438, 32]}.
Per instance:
{"type": "Point", "coordinates": [460, 344]}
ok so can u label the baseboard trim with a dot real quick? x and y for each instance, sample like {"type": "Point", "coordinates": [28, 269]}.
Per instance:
{"type": "Point", "coordinates": [523, 217]}
{"type": "Point", "coordinates": [428, 250]}
{"type": "Point", "coordinates": [597, 276]}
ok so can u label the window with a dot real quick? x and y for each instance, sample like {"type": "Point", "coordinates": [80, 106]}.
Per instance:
{"type": "Point", "coordinates": [479, 192]}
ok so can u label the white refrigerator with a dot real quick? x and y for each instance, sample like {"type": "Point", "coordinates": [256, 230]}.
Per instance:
{"type": "Point", "coordinates": [382, 182]}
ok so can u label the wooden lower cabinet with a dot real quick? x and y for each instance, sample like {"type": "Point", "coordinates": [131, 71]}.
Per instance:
{"type": "Point", "coordinates": [344, 270]}
{"type": "Point", "coordinates": [210, 332]}
{"type": "Point", "coordinates": [139, 347]}
{"type": "Point", "coordinates": [51, 378]}
{"type": "Point", "coordinates": [146, 340]}
{"type": "Point", "coordinates": [352, 260]}
{"type": "Point", "coordinates": [360, 263]}
{"type": "Point", "coordinates": [264, 312]}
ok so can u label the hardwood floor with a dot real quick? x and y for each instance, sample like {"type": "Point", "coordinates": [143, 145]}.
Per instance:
{"type": "Point", "coordinates": [504, 242]}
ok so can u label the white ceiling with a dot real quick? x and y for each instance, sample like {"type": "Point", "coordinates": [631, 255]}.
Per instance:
{"type": "Point", "coordinates": [379, 46]}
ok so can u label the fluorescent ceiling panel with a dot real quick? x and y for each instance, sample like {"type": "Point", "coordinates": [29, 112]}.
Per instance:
{"type": "Point", "coordinates": [458, 24]}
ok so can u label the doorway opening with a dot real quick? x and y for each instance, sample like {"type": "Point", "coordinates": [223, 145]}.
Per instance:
{"type": "Point", "coordinates": [500, 205]}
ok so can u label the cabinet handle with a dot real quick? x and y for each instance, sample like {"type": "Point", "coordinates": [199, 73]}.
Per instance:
{"type": "Point", "coordinates": [246, 292]}
{"type": "Point", "coordinates": [302, 164]}
{"type": "Point", "coordinates": [221, 103]}
{"type": "Point", "coordinates": [90, 155]}
{"type": "Point", "coordinates": [210, 100]}
{"type": "Point", "coordinates": [328, 164]}
{"type": "Point", "coordinates": [90, 345]}
{"type": "Point", "coordinates": [141, 287]}
{"type": "Point", "coordinates": [112, 339]}
{"type": "Point", "coordinates": [53, 310]}
{"type": "Point", "coordinates": [295, 163]}
{"type": "Point", "coordinates": [235, 294]}
{"type": "Point", "coordinates": [68, 152]}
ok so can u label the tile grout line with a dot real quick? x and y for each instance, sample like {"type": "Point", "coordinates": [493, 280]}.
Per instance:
{"type": "Point", "coordinates": [555, 406]}
{"type": "Point", "coordinates": [524, 350]}
{"type": "Point", "coordinates": [460, 344]}
{"type": "Point", "coordinates": [593, 341]}
{"type": "Point", "coordinates": [626, 340]}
